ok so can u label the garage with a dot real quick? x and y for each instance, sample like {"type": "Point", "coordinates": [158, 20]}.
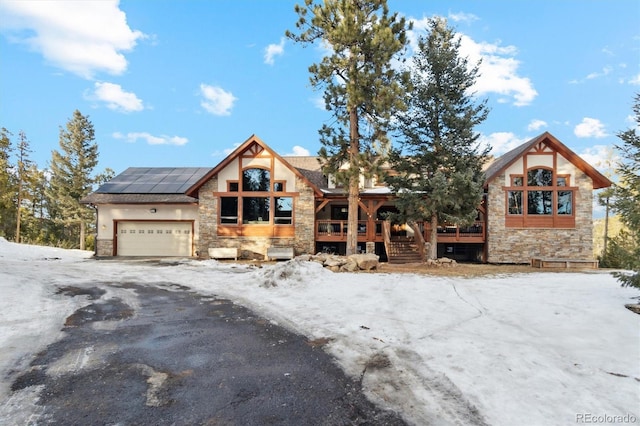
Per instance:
{"type": "Point", "coordinates": [151, 238]}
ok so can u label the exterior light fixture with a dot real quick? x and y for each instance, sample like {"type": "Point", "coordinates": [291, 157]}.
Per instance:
{"type": "Point", "coordinates": [152, 210]}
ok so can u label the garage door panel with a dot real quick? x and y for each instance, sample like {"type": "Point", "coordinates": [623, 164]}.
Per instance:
{"type": "Point", "coordinates": [154, 238]}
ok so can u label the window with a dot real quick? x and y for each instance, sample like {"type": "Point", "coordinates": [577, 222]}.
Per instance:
{"type": "Point", "coordinates": [565, 202]}
{"type": "Point", "coordinates": [256, 180]}
{"type": "Point", "coordinates": [540, 199]}
{"type": "Point", "coordinates": [229, 210]}
{"type": "Point", "coordinates": [539, 202]}
{"type": "Point", "coordinates": [254, 201]}
{"type": "Point", "coordinates": [539, 177]}
{"type": "Point", "coordinates": [255, 210]}
{"type": "Point", "coordinates": [283, 214]}
{"type": "Point", "coordinates": [515, 202]}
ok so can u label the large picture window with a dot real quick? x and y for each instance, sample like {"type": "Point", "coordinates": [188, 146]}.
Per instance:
{"type": "Point", "coordinates": [255, 210]}
{"type": "Point", "coordinates": [255, 201]}
{"type": "Point", "coordinates": [541, 199]}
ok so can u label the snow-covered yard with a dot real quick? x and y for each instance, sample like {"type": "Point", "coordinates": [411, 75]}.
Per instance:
{"type": "Point", "coordinates": [540, 348]}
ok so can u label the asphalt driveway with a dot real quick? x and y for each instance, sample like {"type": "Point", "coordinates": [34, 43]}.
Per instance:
{"type": "Point", "coordinates": [165, 355]}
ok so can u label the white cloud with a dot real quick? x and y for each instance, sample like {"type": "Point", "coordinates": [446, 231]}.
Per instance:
{"type": "Point", "coordinates": [298, 151]}
{"type": "Point", "coordinates": [116, 98]}
{"type": "Point", "coordinates": [273, 50]}
{"type": "Point", "coordinates": [536, 125]}
{"type": "Point", "coordinates": [501, 142]}
{"type": "Point", "coordinates": [462, 17]}
{"type": "Point", "coordinates": [590, 128]}
{"type": "Point", "coordinates": [602, 157]}
{"type": "Point", "coordinates": [151, 139]}
{"type": "Point", "coordinates": [216, 100]}
{"type": "Point", "coordinates": [605, 71]}
{"type": "Point", "coordinates": [635, 80]}
{"type": "Point", "coordinates": [498, 72]}
{"type": "Point", "coordinates": [82, 37]}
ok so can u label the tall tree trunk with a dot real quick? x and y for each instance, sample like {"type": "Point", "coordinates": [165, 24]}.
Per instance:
{"type": "Point", "coordinates": [606, 227]}
{"type": "Point", "coordinates": [82, 231]}
{"type": "Point", "coordinates": [433, 240]}
{"type": "Point", "coordinates": [18, 211]}
{"type": "Point", "coordinates": [354, 183]}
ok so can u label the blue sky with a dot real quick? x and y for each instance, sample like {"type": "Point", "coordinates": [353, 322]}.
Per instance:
{"type": "Point", "coordinates": [181, 83]}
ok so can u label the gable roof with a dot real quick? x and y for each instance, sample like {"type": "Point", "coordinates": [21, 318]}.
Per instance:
{"type": "Point", "coordinates": [253, 139]}
{"type": "Point", "coordinates": [501, 163]}
{"type": "Point", "coordinates": [148, 185]}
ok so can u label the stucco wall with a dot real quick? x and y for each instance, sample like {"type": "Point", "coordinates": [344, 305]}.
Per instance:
{"type": "Point", "coordinates": [519, 245]}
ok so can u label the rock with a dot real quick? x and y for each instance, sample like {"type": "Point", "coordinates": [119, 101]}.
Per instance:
{"type": "Point", "coordinates": [367, 261]}
{"type": "Point", "coordinates": [350, 266]}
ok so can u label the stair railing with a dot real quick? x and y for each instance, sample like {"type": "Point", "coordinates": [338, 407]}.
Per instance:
{"type": "Point", "coordinates": [419, 238]}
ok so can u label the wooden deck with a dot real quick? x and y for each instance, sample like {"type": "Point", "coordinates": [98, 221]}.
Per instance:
{"type": "Point", "coordinates": [336, 231]}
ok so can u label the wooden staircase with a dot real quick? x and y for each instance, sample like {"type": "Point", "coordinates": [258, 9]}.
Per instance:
{"type": "Point", "coordinates": [400, 250]}
{"type": "Point", "coordinates": [403, 251]}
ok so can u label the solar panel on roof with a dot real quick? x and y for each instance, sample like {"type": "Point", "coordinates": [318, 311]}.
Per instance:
{"type": "Point", "coordinates": [154, 180]}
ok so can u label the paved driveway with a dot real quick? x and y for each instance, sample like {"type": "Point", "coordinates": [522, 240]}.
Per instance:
{"type": "Point", "coordinates": [164, 355]}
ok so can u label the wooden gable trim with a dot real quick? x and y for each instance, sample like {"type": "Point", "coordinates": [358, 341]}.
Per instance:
{"type": "Point", "coordinates": [255, 147]}
{"type": "Point", "coordinates": [547, 139]}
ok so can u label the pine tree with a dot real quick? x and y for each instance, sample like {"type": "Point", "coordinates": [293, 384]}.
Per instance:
{"type": "Point", "coordinates": [438, 162]}
{"type": "Point", "coordinates": [627, 198]}
{"type": "Point", "coordinates": [7, 186]}
{"type": "Point", "coordinates": [361, 88]}
{"type": "Point", "coordinates": [71, 176]}
{"type": "Point", "coordinates": [23, 166]}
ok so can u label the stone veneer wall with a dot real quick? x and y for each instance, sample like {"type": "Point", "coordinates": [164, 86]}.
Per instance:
{"type": "Point", "coordinates": [305, 212]}
{"type": "Point", "coordinates": [104, 247]}
{"type": "Point", "coordinates": [256, 247]}
{"type": "Point", "coordinates": [519, 245]}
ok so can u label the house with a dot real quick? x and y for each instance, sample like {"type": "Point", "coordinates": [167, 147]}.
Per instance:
{"type": "Point", "coordinates": [538, 204]}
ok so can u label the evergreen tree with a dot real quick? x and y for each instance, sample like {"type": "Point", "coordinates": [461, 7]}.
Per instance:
{"type": "Point", "coordinates": [71, 176]}
{"type": "Point", "coordinates": [361, 88]}
{"type": "Point", "coordinates": [627, 198]}
{"type": "Point", "coordinates": [23, 166]}
{"type": "Point", "coordinates": [7, 186]}
{"type": "Point", "coordinates": [439, 163]}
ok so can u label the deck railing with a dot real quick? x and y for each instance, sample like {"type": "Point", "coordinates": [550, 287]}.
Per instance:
{"type": "Point", "coordinates": [337, 230]}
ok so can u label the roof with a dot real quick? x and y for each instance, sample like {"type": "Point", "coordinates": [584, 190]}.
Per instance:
{"type": "Point", "coordinates": [501, 163]}
{"type": "Point", "coordinates": [149, 185]}
{"type": "Point", "coordinates": [154, 180]}
{"type": "Point", "coordinates": [253, 139]}
{"type": "Point", "coordinates": [310, 168]}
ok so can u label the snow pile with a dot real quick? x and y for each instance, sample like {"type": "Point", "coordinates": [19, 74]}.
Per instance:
{"type": "Point", "coordinates": [292, 273]}
{"type": "Point", "coordinates": [543, 348]}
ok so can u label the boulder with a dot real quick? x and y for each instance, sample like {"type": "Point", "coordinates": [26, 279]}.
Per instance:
{"type": "Point", "coordinates": [366, 261]}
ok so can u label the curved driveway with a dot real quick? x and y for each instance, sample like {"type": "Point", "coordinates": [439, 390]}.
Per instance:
{"type": "Point", "coordinates": [174, 357]}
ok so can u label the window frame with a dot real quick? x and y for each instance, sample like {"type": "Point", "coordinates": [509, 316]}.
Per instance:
{"type": "Point", "coordinates": [551, 215]}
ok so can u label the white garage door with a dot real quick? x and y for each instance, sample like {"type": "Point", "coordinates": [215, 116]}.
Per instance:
{"type": "Point", "coordinates": [154, 238]}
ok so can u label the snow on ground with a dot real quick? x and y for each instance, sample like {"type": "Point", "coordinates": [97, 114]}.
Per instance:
{"type": "Point", "coordinates": [541, 348]}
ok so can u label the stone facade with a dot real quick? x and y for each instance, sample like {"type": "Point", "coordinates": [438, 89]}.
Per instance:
{"type": "Point", "coordinates": [256, 247]}
{"type": "Point", "coordinates": [104, 247]}
{"type": "Point", "coordinates": [520, 245]}
{"type": "Point", "coordinates": [305, 214]}
{"type": "Point", "coordinates": [207, 218]}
